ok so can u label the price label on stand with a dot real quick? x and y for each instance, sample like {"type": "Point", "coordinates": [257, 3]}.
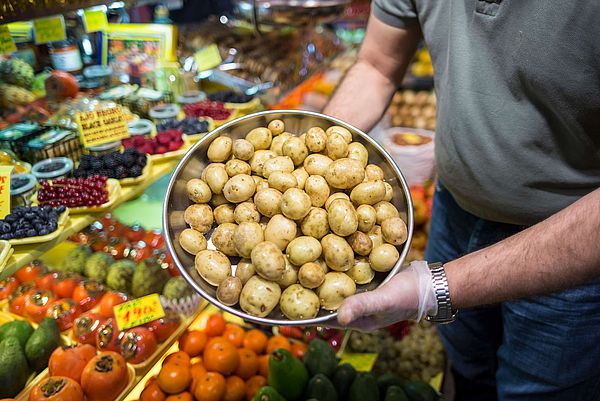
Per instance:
{"type": "Point", "coordinates": [208, 57]}
{"type": "Point", "coordinates": [95, 20]}
{"type": "Point", "coordinates": [7, 44]}
{"type": "Point", "coordinates": [50, 29]}
{"type": "Point", "coordinates": [362, 362]}
{"type": "Point", "coordinates": [102, 126]}
{"type": "Point", "coordinates": [5, 190]}
{"type": "Point", "coordinates": [138, 311]}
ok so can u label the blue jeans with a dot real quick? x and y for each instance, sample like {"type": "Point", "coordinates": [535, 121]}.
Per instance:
{"type": "Point", "coordinates": [542, 348]}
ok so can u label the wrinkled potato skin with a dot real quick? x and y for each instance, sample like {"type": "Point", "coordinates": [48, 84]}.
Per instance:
{"type": "Point", "coordinates": [376, 236]}
{"type": "Point", "coordinates": [315, 139]}
{"type": "Point", "coordinates": [361, 272]}
{"type": "Point", "coordinates": [394, 231]}
{"type": "Point", "coordinates": [236, 166]}
{"type": "Point", "coordinates": [278, 141]}
{"type": "Point", "coordinates": [357, 151]}
{"type": "Point", "coordinates": [340, 130]}
{"type": "Point", "coordinates": [220, 149]}
{"type": "Point", "coordinates": [336, 146]}
{"type": "Point", "coordinates": [344, 173]}
{"type": "Point", "coordinates": [334, 196]}
{"type": "Point", "coordinates": [276, 127]}
{"type": "Point", "coordinates": [368, 193]}
{"type": "Point", "coordinates": [212, 266]}
{"type": "Point", "coordinates": [290, 275]}
{"type": "Point", "coordinates": [385, 210]}
{"type": "Point", "coordinates": [260, 138]}
{"type": "Point", "coordinates": [301, 176]}
{"type": "Point", "coordinates": [383, 257]}
{"type": "Point", "coordinates": [295, 204]}
{"type": "Point", "coordinates": [259, 297]}
{"type": "Point", "coordinates": [228, 292]}
{"type": "Point", "coordinates": [199, 217]}
{"type": "Point", "coordinates": [342, 217]}
{"type": "Point", "coordinates": [337, 253]}
{"type": "Point", "coordinates": [224, 214]}
{"type": "Point", "coordinates": [311, 275]}
{"type": "Point", "coordinates": [303, 249]}
{"type": "Point", "coordinates": [335, 288]}
{"type": "Point", "coordinates": [295, 148]}
{"type": "Point", "coordinates": [367, 217]}
{"type": "Point", "coordinates": [239, 188]}
{"type": "Point", "coordinates": [244, 270]}
{"type": "Point", "coordinates": [299, 303]}
{"type": "Point", "coordinates": [361, 243]}
{"type": "Point", "coordinates": [267, 202]}
{"type": "Point", "coordinates": [373, 173]}
{"type": "Point", "coordinates": [389, 192]}
{"type": "Point", "coordinates": [192, 241]}
{"type": "Point", "coordinates": [246, 211]}
{"type": "Point", "coordinates": [246, 237]}
{"type": "Point", "coordinates": [315, 224]}
{"type": "Point", "coordinates": [317, 189]}
{"type": "Point", "coordinates": [198, 191]}
{"type": "Point", "coordinates": [216, 178]}
{"type": "Point", "coordinates": [222, 238]}
{"type": "Point", "coordinates": [242, 149]}
{"type": "Point", "coordinates": [279, 163]}
{"type": "Point", "coordinates": [282, 181]}
{"type": "Point", "coordinates": [268, 261]}
{"type": "Point", "coordinates": [317, 164]}
{"type": "Point", "coordinates": [280, 231]}
{"type": "Point", "coordinates": [257, 161]}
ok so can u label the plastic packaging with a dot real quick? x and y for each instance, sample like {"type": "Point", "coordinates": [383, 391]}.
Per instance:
{"type": "Point", "coordinates": [417, 162]}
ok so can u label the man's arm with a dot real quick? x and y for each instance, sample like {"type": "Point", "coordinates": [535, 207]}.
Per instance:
{"type": "Point", "coordinates": [365, 92]}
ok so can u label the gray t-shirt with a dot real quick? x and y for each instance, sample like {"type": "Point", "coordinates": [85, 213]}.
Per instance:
{"type": "Point", "coordinates": [518, 90]}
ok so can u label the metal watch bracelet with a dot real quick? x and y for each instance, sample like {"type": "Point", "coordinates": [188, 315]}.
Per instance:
{"type": "Point", "coordinates": [445, 313]}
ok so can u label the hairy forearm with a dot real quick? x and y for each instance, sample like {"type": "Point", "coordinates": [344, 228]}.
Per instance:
{"type": "Point", "coordinates": [560, 252]}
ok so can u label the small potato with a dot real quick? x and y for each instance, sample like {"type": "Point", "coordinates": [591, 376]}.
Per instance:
{"type": "Point", "coordinates": [366, 218]}
{"type": "Point", "coordinates": [337, 253]}
{"type": "Point", "coordinates": [335, 288]}
{"type": "Point", "coordinates": [228, 292]}
{"type": "Point", "coordinates": [383, 258]}
{"type": "Point", "coordinates": [220, 149]}
{"type": "Point", "coordinates": [296, 149]}
{"type": "Point", "coordinates": [268, 202]}
{"type": "Point", "coordinates": [303, 138]}
{"type": "Point", "coordinates": [361, 243]}
{"type": "Point", "coordinates": [368, 193]}
{"type": "Point", "coordinates": [257, 179]}
{"type": "Point", "coordinates": [317, 189]}
{"type": "Point", "coordinates": [280, 163]}
{"type": "Point", "coordinates": [218, 200]}
{"type": "Point", "coordinates": [260, 138]}
{"type": "Point", "coordinates": [357, 151]}
{"type": "Point", "coordinates": [192, 241]}
{"type": "Point", "coordinates": [278, 141]}
{"type": "Point", "coordinates": [236, 166]}
{"type": "Point", "coordinates": [268, 261]}
{"type": "Point", "coordinates": [246, 211]}
{"type": "Point", "coordinates": [280, 231]}
{"type": "Point", "coordinates": [259, 297]}
{"type": "Point", "coordinates": [389, 192]}
{"type": "Point", "coordinates": [282, 181]}
{"type": "Point", "coordinates": [361, 272]}
{"type": "Point", "coordinates": [340, 130]}
{"type": "Point", "coordinates": [242, 149]}
{"type": "Point", "coordinates": [373, 173]}
{"type": "Point", "coordinates": [222, 238]}
{"type": "Point", "coordinates": [334, 196]}
{"type": "Point", "coordinates": [276, 127]}
{"type": "Point", "coordinates": [311, 275]}
{"type": "Point", "coordinates": [394, 231]}
{"type": "Point", "coordinates": [295, 204]}
{"type": "Point", "coordinates": [244, 270]}
{"type": "Point", "coordinates": [344, 173]}
{"type": "Point", "coordinates": [212, 266]}
{"type": "Point", "coordinates": [257, 161]}
{"type": "Point", "coordinates": [317, 164]}
{"type": "Point", "coordinates": [301, 176]}
{"type": "Point", "coordinates": [198, 191]}
{"type": "Point", "coordinates": [342, 217]}
{"type": "Point", "coordinates": [322, 264]}
{"type": "Point", "coordinates": [209, 166]}
{"type": "Point", "coordinates": [385, 210]}
{"type": "Point", "coordinates": [290, 276]}
{"type": "Point", "coordinates": [224, 214]}
{"type": "Point", "coordinates": [264, 184]}
{"type": "Point", "coordinates": [303, 249]}
{"type": "Point", "coordinates": [299, 303]}
{"type": "Point", "coordinates": [336, 146]}
{"type": "Point", "coordinates": [315, 139]}
{"type": "Point", "coordinates": [315, 224]}
{"type": "Point", "coordinates": [199, 217]}
{"type": "Point", "coordinates": [216, 178]}
{"type": "Point", "coordinates": [239, 188]}
{"type": "Point", "coordinates": [376, 236]}
{"type": "Point", "coordinates": [246, 237]}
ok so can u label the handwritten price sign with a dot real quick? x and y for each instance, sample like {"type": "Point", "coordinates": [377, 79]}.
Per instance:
{"type": "Point", "coordinates": [5, 190]}
{"type": "Point", "coordinates": [139, 311]}
{"type": "Point", "coordinates": [49, 29]}
{"type": "Point", "coordinates": [7, 44]}
{"type": "Point", "coordinates": [102, 126]}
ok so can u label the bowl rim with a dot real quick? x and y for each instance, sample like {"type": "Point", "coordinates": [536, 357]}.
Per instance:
{"type": "Point", "coordinates": [319, 320]}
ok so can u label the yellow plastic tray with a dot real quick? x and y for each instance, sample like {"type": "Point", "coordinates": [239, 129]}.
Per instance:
{"type": "Point", "coordinates": [245, 108]}
{"type": "Point", "coordinates": [114, 190]}
{"type": "Point", "coordinates": [145, 174]}
{"type": "Point", "coordinates": [62, 222]}
{"type": "Point", "coordinates": [5, 252]}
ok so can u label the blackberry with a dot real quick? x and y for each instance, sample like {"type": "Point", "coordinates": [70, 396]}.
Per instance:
{"type": "Point", "coordinates": [96, 164]}
{"type": "Point", "coordinates": [110, 163]}
{"type": "Point", "coordinates": [130, 151]}
{"type": "Point", "coordinates": [135, 171]}
{"type": "Point", "coordinates": [120, 172]}
{"type": "Point", "coordinates": [141, 161]}
{"type": "Point", "coordinates": [129, 160]}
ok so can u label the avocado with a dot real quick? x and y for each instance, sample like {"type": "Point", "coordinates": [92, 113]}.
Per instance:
{"type": "Point", "coordinates": [420, 391]}
{"type": "Point", "coordinates": [19, 329]}
{"type": "Point", "coordinates": [321, 388]}
{"type": "Point", "coordinates": [395, 393]}
{"type": "Point", "coordinates": [14, 371]}
{"type": "Point", "coordinates": [39, 347]}
{"type": "Point", "coordinates": [342, 379]}
{"type": "Point", "coordinates": [320, 358]}
{"type": "Point", "coordinates": [364, 388]}
{"type": "Point", "coordinates": [389, 379]}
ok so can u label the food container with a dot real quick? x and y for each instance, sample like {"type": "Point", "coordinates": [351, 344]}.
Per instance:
{"type": "Point", "coordinates": [105, 148]}
{"type": "Point", "coordinates": [176, 202]}
{"type": "Point", "coordinates": [22, 188]}
{"type": "Point", "coordinates": [9, 137]}
{"type": "Point", "coordinates": [413, 151]}
{"type": "Point", "coordinates": [141, 127]}
{"type": "Point", "coordinates": [164, 112]}
{"type": "Point", "coordinates": [51, 143]}
{"type": "Point", "coordinates": [52, 169]}
{"type": "Point", "coordinates": [191, 97]}
{"type": "Point", "coordinates": [98, 72]}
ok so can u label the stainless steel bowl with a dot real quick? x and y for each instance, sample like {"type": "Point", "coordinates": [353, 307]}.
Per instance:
{"type": "Point", "coordinates": [296, 122]}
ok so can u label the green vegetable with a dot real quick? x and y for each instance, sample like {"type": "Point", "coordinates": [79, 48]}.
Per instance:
{"type": "Point", "coordinates": [395, 393]}
{"type": "Point", "coordinates": [177, 288]}
{"type": "Point", "coordinates": [389, 379]}
{"type": "Point", "coordinates": [120, 274]}
{"type": "Point", "coordinates": [267, 394]}
{"type": "Point", "coordinates": [320, 358]}
{"type": "Point", "coordinates": [287, 374]}
{"type": "Point", "coordinates": [44, 340]}
{"type": "Point", "coordinates": [321, 388]}
{"type": "Point", "coordinates": [19, 329]}
{"type": "Point", "coordinates": [74, 261]}
{"type": "Point", "coordinates": [342, 379]}
{"type": "Point", "coordinates": [420, 391]}
{"type": "Point", "coordinates": [364, 388]}
{"type": "Point", "coordinates": [14, 371]}
{"type": "Point", "coordinates": [96, 266]}
{"type": "Point", "coordinates": [149, 277]}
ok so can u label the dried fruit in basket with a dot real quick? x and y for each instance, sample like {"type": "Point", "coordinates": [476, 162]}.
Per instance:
{"type": "Point", "coordinates": [56, 388]}
{"type": "Point", "coordinates": [104, 377]}
{"type": "Point", "coordinates": [69, 361]}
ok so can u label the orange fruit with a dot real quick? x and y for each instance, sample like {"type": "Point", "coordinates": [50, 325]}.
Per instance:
{"type": "Point", "coordinates": [221, 356]}
{"type": "Point", "coordinates": [298, 349]}
{"type": "Point", "coordinates": [152, 393]}
{"type": "Point", "coordinates": [185, 396]}
{"type": "Point", "coordinates": [234, 333]}
{"type": "Point", "coordinates": [197, 370]}
{"type": "Point", "coordinates": [174, 378]}
{"type": "Point", "coordinates": [277, 342]}
{"type": "Point", "coordinates": [254, 384]}
{"type": "Point", "coordinates": [255, 340]}
{"type": "Point", "coordinates": [179, 357]}
{"type": "Point", "coordinates": [263, 365]}
{"type": "Point", "coordinates": [235, 389]}
{"type": "Point", "coordinates": [211, 387]}
{"type": "Point", "coordinates": [215, 325]}
{"type": "Point", "coordinates": [192, 342]}
{"type": "Point", "coordinates": [248, 366]}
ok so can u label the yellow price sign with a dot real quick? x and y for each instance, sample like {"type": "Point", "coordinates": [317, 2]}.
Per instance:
{"type": "Point", "coordinates": [7, 44]}
{"type": "Point", "coordinates": [138, 311]}
{"type": "Point", "coordinates": [95, 20]}
{"type": "Point", "coordinates": [362, 362]}
{"type": "Point", "coordinates": [5, 190]}
{"type": "Point", "coordinates": [208, 57]}
{"type": "Point", "coordinates": [102, 126]}
{"type": "Point", "coordinates": [50, 29]}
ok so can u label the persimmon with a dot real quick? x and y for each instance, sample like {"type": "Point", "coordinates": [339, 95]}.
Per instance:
{"type": "Point", "coordinates": [248, 363]}
{"type": "Point", "coordinates": [221, 356]}
{"type": "Point", "coordinates": [70, 361]}
{"type": "Point", "coordinates": [215, 325]}
{"type": "Point", "coordinates": [235, 334]}
{"type": "Point", "coordinates": [254, 384]}
{"type": "Point", "coordinates": [263, 365]}
{"type": "Point", "coordinates": [56, 388]}
{"type": "Point", "coordinates": [174, 378]}
{"type": "Point", "coordinates": [276, 342]}
{"type": "Point", "coordinates": [179, 357]}
{"type": "Point", "coordinates": [152, 393]}
{"type": "Point", "coordinates": [211, 387]}
{"type": "Point", "coordinates": [255, 340]}
{"type": "Point", "coordinates": [193, 342]}
{"type": "Point", "coordinates": [235, 389]}
{"type": "Point", "coordinates": [104, 376]}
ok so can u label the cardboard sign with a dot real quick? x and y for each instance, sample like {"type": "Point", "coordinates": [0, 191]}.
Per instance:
{"type": "Point", "coordinates": [102, 126]}
{"type": "Point", "coordinates": [208, 57]}
{"type": "Point", "coordinates": [50, 29]}
{"type": "Point", "coordinates": [362, 362]}
{"type": "Point", "coordinates": [7, 44]}
{"type": "Point", "coordinates": [5, 190]}
{"type": "Point", "coordinates": [138, 311]}
{"type": "Point", "coordinates": [95, 21]}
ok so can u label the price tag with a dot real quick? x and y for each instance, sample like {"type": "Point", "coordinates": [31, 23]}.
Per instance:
{"type": "Point", "coordinates": [138, 311]}
{"type": "Point", "coordinates": [102, 126]}
{"type": "Point", "coordinates": [5, 190]}
{"type": "Point", "coordinates": [95, 21]}
{"type": "Point", "coordinates": [208, 57]}
{"type": "Point", "coordinates": [7, 44]}
{"type": "Point", "coordinates": [360, 361]}
{"type": "Point", "coordinates": [50, 29]}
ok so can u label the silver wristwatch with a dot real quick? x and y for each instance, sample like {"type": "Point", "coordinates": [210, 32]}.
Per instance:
{"type": "Point", "coordinates": [445, 313]}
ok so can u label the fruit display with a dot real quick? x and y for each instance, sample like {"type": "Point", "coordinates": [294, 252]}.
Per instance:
{"type": "Point", "coordinates": [188, 126]}
{"type": "Point", "coordinates": [16, 80]}
{"type": "Point", "coordinates": [30, 221]}
{"type": "Point", "coordinates": [207, 108]}
{"type": "Point", "coordinates": [73, 192]}
{"type": "Point", "coordinates": [165, 141]}
{"type": "Point", "coordinates": [128, 164]}
{"type": "Point", "coordinates": [313, 221]}
{"type": "Point", "coordinates": [413, 109]}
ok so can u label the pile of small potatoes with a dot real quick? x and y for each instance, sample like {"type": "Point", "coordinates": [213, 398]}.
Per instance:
{"type": "Point", "coordinates": [308, 215]}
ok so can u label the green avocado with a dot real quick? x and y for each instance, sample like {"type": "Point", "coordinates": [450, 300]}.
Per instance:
{"type": "Point", "coordinates": [389, 379]}
{"type": "Point", "coordinates": [321, 388]}
{"type": "Point", "coordinates": [287, 374]}
{"type": "Point", "coordinates": [44, 340]}
{"type": "Point", "coordinates": [267, 393]}
{"type": "Point", "coordinates": [420, 391]}
{"type": "Point", "coordinates": [342, 379]}
{"type": "Point", "coordinates": [364, 388]}
{"type": "Point", "coordinates": [14, 371]}
{"type": "Point", "coordinates": [395, 393]}
{"type": "Point", "coordinates": [320, 358]}
{"type": "Point", "coordinates": [19, 329]}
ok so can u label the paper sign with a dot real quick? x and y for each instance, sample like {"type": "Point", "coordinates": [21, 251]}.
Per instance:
{"type": "Point", "coordinates": [50, 29]}
{"type": "Point", "coordinates": [95, 21]}
{"type": "Point", "coordinates": [360, 361]}
{"type": "Point", "coordinates": [102, 126]}
{"type": "Point", "coordinates": [7, 44]}
{"type": "Point", "coordinates": [139, 311]}
{"type": "Point", "coordinates": [208, 57]}
{"type": "Point", "coordinates": [5, 190]}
